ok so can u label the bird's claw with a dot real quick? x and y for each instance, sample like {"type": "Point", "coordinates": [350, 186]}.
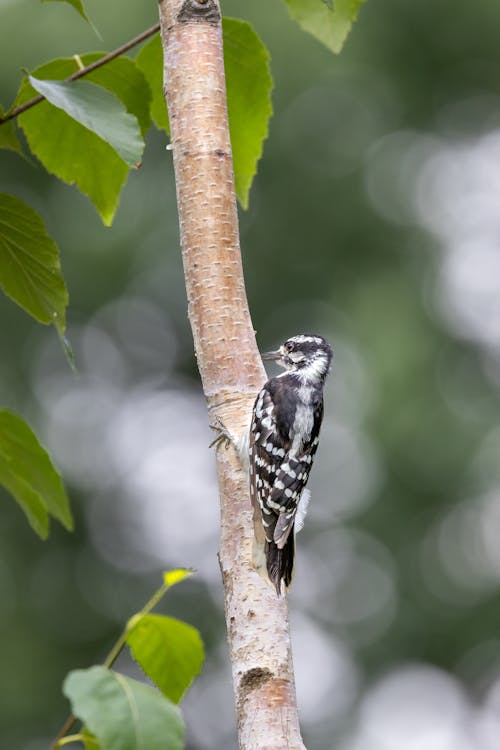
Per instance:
{"type": "Point", "coordinates": [223, 434]}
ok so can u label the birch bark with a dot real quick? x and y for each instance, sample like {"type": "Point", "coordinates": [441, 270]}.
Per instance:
{"type": "Point", "coordinates": [228, 359]}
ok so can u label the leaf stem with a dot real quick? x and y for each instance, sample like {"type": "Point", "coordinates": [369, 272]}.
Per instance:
{"type": "Point", "coordinates": [155, 599]}
{"type": "Point", "coordinates": [116, 650]}
{"type": "Point", "coordinates": [84, 71]}
{"type": "Point", "coordinates": [80, 737]}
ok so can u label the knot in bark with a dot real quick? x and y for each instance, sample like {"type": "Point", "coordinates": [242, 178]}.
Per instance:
{"type": "Point", "coordinates": [199, 11]}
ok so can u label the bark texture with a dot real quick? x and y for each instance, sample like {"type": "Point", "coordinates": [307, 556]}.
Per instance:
{"type": "Point", "coordinates": [228, 359]}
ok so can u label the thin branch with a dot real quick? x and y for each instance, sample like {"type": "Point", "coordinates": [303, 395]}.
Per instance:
{"type": "Point", "coordinates": [68, 724]}
{"type": "Point", "coordinates": [85, 71]}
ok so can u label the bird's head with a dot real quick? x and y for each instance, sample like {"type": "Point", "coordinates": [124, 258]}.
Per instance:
{"type": "Point", "coordinates": [309, 355]}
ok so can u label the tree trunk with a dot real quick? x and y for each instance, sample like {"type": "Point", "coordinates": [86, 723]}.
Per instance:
{"type": "Point", "coordinates": [228, 359]}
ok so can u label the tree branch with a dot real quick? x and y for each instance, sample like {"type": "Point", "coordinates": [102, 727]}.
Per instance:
{"type": "Point", "coordinates": [85, 71]}
{"type": "Point", "coordinates": [228, 359]}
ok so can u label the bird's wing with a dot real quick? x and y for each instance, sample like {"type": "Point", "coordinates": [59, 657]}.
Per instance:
{"type": "Point", "coordinates": [266, 450]}
{"type": "Point", "coordinates": [291, 479]}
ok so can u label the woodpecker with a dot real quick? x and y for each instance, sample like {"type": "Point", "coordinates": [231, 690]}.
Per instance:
{"type": "Point", "coordinates": [284, 436]}
{"type": "Point", "coordinates": [278, 450]}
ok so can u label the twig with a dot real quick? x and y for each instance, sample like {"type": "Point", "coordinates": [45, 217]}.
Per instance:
{"type": "Point", "coordinates": [84, 71]}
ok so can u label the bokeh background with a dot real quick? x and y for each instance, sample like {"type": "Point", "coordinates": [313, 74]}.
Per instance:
{"type": "Point", "coordinates": [374, 220]}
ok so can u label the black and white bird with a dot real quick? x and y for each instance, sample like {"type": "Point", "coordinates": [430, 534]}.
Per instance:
{"type": "Point", "coordinates": [284, 436]}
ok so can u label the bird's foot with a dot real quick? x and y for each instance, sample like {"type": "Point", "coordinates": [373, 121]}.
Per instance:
{"type": "Point", "coordinates": [224, 437]}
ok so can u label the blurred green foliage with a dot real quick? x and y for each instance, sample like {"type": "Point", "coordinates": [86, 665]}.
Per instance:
{"type": "Point", "coordinates": [329, 244]}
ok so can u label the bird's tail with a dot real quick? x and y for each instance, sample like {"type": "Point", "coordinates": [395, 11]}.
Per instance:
{"type": "Point", "coordinates": [279, 562]}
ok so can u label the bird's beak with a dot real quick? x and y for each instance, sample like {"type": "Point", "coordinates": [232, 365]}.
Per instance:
{"type": "Point", "coordinates": [273, 355]}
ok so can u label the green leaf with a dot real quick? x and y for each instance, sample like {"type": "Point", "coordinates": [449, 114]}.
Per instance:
{"type": "Point", "coordinates": [8, 137]}
{"type": "Point", "coordinates": [169, 651]}
{"type": "Point", "coordinates": [122, 713]}
{"type": "Point", "coordinates": [89, 741]}
{"type": "Point", "coordinates": [68, 149]}
{"type": "Point", "coordinates": [27, 472]}
{"type": "Point", "coordinates": [29, 500]}
{"type": "Point", "coordinates": [77, 5]}
{"type": "Point", "coordinates": [171, 577]}
{"type": "Point", "coordinates": [249, 85]}
{"type": "Point", "coordinates": [123, 78]}
{"type": "Point", "coordinates": [76, 156]}
{"type": "Point", "coordinates": [329, 22]}
{"type": "Point", "coordinates": [98, 111]}
{"type": "Point", "coordinates": [150, 62]}
{"type": "Point", "coordinates": [30, 272]}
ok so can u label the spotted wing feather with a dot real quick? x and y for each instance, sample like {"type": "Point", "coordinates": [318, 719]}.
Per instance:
{"type": "Point", "coordinates": [291, 480]}
{"type": "Point", "coordinates": [266, 454]}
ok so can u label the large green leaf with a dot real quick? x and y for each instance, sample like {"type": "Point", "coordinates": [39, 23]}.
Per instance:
{"type": "Point", "coordinates": [122, 713]}
{"type": "Point", "coordinates": [249, 85]}
{"type": "Point", "coordinates": [98, 111]}
{"type": "Point", "coordinates": [26, 471]}
{"type": "Point", "coordinates": [150, 62]}
{"type": "Point", "coordinates": [169, 651]}
{"type": "Point", "coordinates": [30, 272]}
{"type": "Point", "coordinates": [329, 21]}
{"type": "Point", "coordinates": [68, 149]}
{"type": "Point", "coordinates": [77, 5]}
